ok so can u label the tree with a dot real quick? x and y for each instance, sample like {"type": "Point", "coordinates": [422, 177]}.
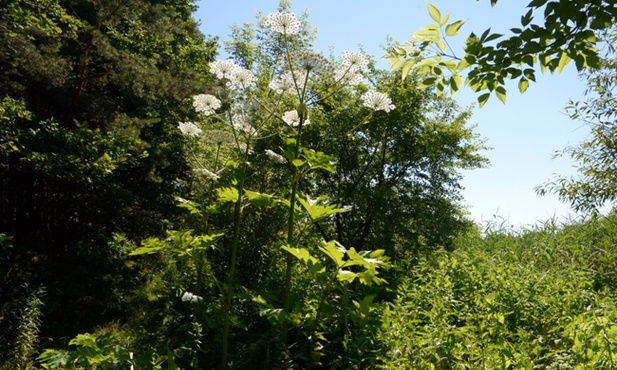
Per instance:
{"type": "Point", "coordinates": [90, 94]}
{"type": "Point", "coordinates": [400, 170]}
{"type": "Point", "coordinates": [567, 33]}
{"type": "Point", "coordinates": [596, 156]}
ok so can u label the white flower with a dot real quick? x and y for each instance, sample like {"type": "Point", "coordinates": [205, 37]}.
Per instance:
{"type": "Point", "coordinates": [308, 60]}
{"type": "Point", "coordinates": [274, 157]}
{"type": "Point", "coordinates": [206, 103]}
{"type": "Point", "coordinates": [285, 82]}
{"type": "Point", "coordinates": [355, 62]}
{"type": "Point", "coordinates": [293, 119]}
{"type": "Point", "coordinates": [242, 123]}
{"type": "Point", "coordinates": [242, 78]}
{"type": "Point", "coordinates": [283, 22]}
{"type": "Point", "coordinates": [377, 101]}
{"type": "Point", "coordinates": [190, 297]}
{"type": "Point", "coordinates": [209, 174]}
{"type": "Point", "coordinates": [189, 129]}
{"type": "Point", "coordinates": [347, 76]}
{"type": "Point", "coordinates": [223, 69]}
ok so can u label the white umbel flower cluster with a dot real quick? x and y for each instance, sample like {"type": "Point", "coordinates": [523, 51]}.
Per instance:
{"type": "Point", "coordinates": [353, 61]}
{"type": "Point", "coordinates": [235, 75]}
{"type": "Point", "coordinates": [308, 60]}
{"type": "Point", "coordinates": [275, 157]}
{"type": "Point", "coordinates": [377, 101]}
{"type": "Point", "coordinates": [293, 119]}
{"type": "Point", "coordinates": [207, 173]}
{"type": "Point", "coordinates": [283, 22]}
{"type": "Point", "coordinates": [352, 66]}
{"type": "Point", "coordinates": [206, 104]}
{"type": "Point", "coordinates": [242, 123]}
{"type": "Point", "coordinates": [189, 129]}
{"type": "Point", "coordinates": [285, 82]}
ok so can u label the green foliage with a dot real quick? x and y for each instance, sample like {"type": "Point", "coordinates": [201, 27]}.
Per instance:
{"type": "Point", "coordinates": [90, 95]}
{"type": "Point", "coordinates": [530, 299]}
{"type": "Point", "coordinates": [90, 352]}
{"type": "Point", "coordinates": [22, 352]}
{"type": "Point", "coordinates": [568, 33]}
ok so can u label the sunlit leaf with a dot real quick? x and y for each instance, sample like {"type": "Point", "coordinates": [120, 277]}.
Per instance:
{"type": "Point", "coordinates": [523, 84]}
{"type": "Point", "coordinates": [482, 99]}
{"type": "Point", "coordinates": [227, 194]}
{"type": "Point", "coordinates": [500, 91]}
{"type": "Point", "coordinates": [434, 12]}
{"type": "Point", "coordinates": [453, 28]}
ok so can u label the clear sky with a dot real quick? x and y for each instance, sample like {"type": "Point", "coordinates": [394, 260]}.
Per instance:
{"type": "Point", "coordinates": [524, 133]}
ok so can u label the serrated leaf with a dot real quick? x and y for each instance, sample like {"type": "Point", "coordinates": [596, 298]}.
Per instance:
{"type": "Point", "coordinates": [312, 263]}
{"type": "Point", "coordinates": [227, 194]}
{"type": "Point", "coordinates": [346, 276]}
{"type": "Point", "coordinates": [453, 28]}
{"type": "Point", "coordinates": [318, 209]}
{"type": "Point", "coordinates": [500, 91]}
{"type": "Point", "coordinates": [321, 160]}
{"type": "Point", "coordinates": [523, 84]}
{"type": "Point", "coordinates": [192, 207]}
{"type": "Point", "coordinates": [333, 251]}
{"type": "Point", "coordinates": [259, 199]}
{"type": "Point", "coordinates": [434, 12]}
{"type": "Point", "coordinates": [482, 99]}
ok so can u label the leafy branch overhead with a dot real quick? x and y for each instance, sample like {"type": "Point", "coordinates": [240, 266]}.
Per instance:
{"type": "Point", "coordinates": [567, 33]}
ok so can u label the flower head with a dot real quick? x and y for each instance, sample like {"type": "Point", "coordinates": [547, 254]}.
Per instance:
{"type": "Point", "coordinates": [283, 22]}
{"type": "Point", "coordinates": [293, 119]}
{"type": "Point", "coordinates": [189, 129]}
{"type": "Point", "coordinates": [346, 76]}
{"type": "Point", "coordinates": [206, 103]}
{"type": "Point", "coordinates": [275, 157]}
{"type": "Point", "coordinates": [287, 82]}
{"type": "Point", "coordinates": [242, 123]}
{"type": "Point", "coordinates": [354, 61]}
{"type": "Point", "coordinates": [223, 68]}
{"type": "Point", "coordinates": [242, 78]}
{"type": "Point", "coordinates": [207, 173]}
{"type": "Point", "coordinates": [308, 60]}
{"type": "Point", "coordinates": [377, 101]}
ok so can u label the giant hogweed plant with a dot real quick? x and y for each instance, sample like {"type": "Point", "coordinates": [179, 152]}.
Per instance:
{"type": "Point", "coordinates": [247, 109]}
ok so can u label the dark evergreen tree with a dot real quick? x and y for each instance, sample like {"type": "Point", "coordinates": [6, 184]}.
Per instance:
{"type": "Point", "coordinates": [91, 93]}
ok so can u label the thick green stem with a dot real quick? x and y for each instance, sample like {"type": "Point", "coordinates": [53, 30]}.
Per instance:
{"type": "Point", "coordinates": [290, 231]}
{"type": "Point", "coordinates": [227, 297]}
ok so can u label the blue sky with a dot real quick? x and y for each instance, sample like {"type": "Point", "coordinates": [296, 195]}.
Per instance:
{"type": "Point", "coordinates": [524, 133]}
